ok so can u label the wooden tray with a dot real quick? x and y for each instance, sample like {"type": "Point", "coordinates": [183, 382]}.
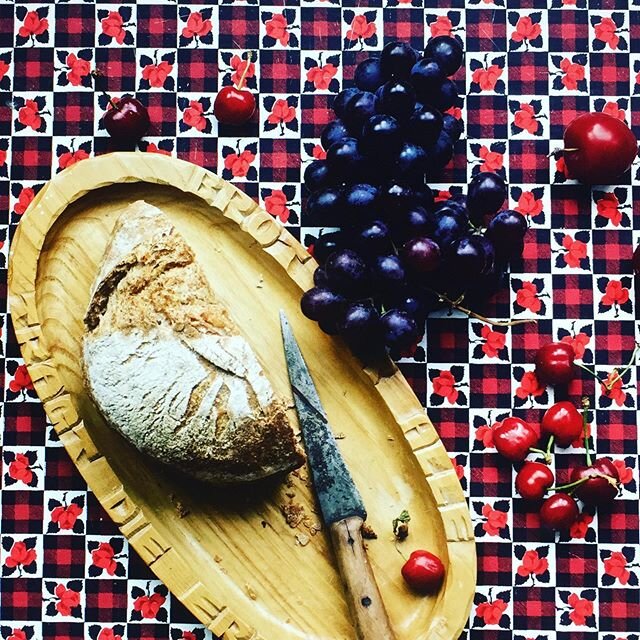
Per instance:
{"type": "Point", "coordinates": [229, 555]}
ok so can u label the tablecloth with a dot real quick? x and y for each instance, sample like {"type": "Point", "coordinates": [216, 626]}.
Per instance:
{"type": "Point", "coordinates": [531, 66]}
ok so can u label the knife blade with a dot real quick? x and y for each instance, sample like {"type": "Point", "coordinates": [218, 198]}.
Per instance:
{"type": "Point", "coordinates": [341, 505]}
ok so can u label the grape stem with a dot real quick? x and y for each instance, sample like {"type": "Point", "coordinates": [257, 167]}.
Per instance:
{"type": "Point", "coordinates": [472, 314]}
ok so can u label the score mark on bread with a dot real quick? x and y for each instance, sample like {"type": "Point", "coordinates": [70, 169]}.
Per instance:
{"type": "Point", "coordinates": [168, 368]}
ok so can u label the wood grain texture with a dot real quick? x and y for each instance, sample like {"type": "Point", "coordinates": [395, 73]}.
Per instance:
{"type": "Point", "coordinates": [231, 556]}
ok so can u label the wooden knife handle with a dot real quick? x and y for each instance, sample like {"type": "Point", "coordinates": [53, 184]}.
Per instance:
{"type": "Point", "coordinates": [363, 596]}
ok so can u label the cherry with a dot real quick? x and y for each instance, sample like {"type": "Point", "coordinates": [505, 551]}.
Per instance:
{"type": "Point", "coordinates": [235, 105]}
{"type": "Point", "coordinates": [559, 511]}
{"type": "Point", "coordinates": [127, 120]}
{"type": "Point", "coordinates": [423, 571]}
{"type": "Point", "coordinates": [598, 148]}
{"type": "Point", "coordinates": [513, 438]}
{"type": "Point", "coordinates": [563, 421]}
{"type": "Point", "coordinates": [554, 363]}
{"type": "Point", "coordinates": [533, 480]}
{"type": "Point", "coordinates": [597, 490]}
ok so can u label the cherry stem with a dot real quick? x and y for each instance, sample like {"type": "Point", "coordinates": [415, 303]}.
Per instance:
{"type": "Point", "coordinates": [472, 314]}
{"type": "Point", "coordinates": [246, 70]}
{"type": "Point", "coordinates": [96, 73]}
{"type": "Point", "coordinates": [545, 454]}
{"type": "Point", "coordinates": [585, 410]}
{"type": "Point", "coordinates": [573, 485]}
{"type": "Point", "coordinates": [618, 374]}
{"type": "Point", "coordinates": [572, 149]}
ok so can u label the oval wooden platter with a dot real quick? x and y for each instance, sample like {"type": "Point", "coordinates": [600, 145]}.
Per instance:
{"type": "Point", "coordinates": [231, 556]}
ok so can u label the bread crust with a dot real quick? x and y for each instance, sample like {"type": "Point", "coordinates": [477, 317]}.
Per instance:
{"type": "Point", "coordinates": [168, 368]}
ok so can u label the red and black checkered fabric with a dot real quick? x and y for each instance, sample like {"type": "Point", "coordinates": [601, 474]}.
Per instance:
{"type": "Point", "coordinates": [553, 58]}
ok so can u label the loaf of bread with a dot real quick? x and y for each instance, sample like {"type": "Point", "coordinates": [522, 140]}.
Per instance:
{"type": "Point", "coordinates": [168, 368]}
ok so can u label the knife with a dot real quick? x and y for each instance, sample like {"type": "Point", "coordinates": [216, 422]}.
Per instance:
{"type": "Point", "coordinates": [342, 508]}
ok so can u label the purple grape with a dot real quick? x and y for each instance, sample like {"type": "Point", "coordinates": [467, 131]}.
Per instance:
{"type": "Point", "coordinates": [446, 51]}
{"type": "Point", "coordinates": [360, 202]}
{"type": "Point", "coordinates": [446, 96]}
{"type": "Point", "coordinates": [333, 132]}
{"type": "Point", "coordinates": [506, 231]}
{"type": "Point", "coordinates": [467, 258]}
{"type": "Point", "coordinates": [344, 158]}
{"type": "Point", "coordinates": [486, 194]}
{"type": "Point", "coordinates": [413, 222]}
{"type": "Point", "coordinates": [397, 59]}
{"type": "Point", "coordinates": [421, 255]}
{"type": "Point", "coordinates": [324, 207]}
{"type": "Point", "coordinates": [425, 126]}
{"type": "Point", "coordinates": [387, 272]}
{"type": "Point", "coordinates": [358, 110]}
{"type": "Point", "coordinates": [322, 304]}
{"type": "Point", "coordinates": [397, 98]}
{"type": "Point", "coordinates": [427, 77]}
{"type": "Point", "coordinates": [449, 227]}
{"type": "Point", "coordinates": [347, 272]}
{"type": "Point", "coordinates": [368, 75]}
{"type": "Point", "coordinates": [341, 100]}
{"type": "Point", "coordinates": [360, 324]}
{"type": "Point", "coordinates": [411, 163]}
{"type": "Point", "coordinates": [380, 135]}
{"type": "Point", "coordinates": [317, 175]}
{"type": "Point", "coordinates": [330, 327]}
{"type": "Point", "coordinates": [320, 278]}
{"type": "Point", "coordinates": [452, 126]}
{"type": "Point", "coordinates": [326, 244]}
{"type": "Point", "coordinates": [395, 195]}
{"type": "Point", "coordinates": [400, 330]}
{"type": "Point", "coordinates": [374, 239]}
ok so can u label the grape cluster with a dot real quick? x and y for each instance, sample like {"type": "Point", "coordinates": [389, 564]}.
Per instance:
{"type": "Point", "coordinates": [398, 254]}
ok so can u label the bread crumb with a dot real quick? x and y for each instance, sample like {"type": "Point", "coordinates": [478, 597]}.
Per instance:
{"type": "Point", "coordinates": [217, 558]}
{"type": "Point", "coordinates": [368, 533]}
{"type": "Point", "coordinates": [260, 282]}
{"type": "Point", "coordinates": [302, 539]}
{"type": "Point", "coordinates": [250, 592]}
{"type": "Point", "coordinates": [293, 513]}
{"type": "Point", "coordinates": [340, 436]}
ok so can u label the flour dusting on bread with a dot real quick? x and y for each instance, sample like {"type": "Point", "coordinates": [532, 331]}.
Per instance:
{"type": "Point", "coordinates": [168, 368]}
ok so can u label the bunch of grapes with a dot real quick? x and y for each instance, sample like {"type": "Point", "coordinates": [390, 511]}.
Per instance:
{"type": "Point", "coordinates": [398, 254]}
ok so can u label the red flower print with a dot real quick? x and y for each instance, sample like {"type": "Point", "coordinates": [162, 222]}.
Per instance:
{"type": "Point", "coordinates": [71, 157]}
{"type": "Point", "coordinates": [575, 251]}
{"type": "Point", "coordinates": [321, 76]}
{"type": "Point", "coordinates": [496, 520]}
{"type": "Point", "coordinates": [445, 385]}
{"type": "Point", "coordinates": [487, 78]}
{"type": "Point", "coordinates": [152, 147]}
{"type": "Point", "coordinates": [459, 469]}
{"type": "Point", "coordinates": [494, 341]}
{"type": "Point", "coordinates": [606, 32]}
{"type": "Point", "coordinates": [318, 152]}
{"type": "Point", "coordinates": [607, 207]}
{"type": "Point", "coordinates": [103, 557]}
{"type": "Point", "coordinates": [239, 65]}
{"type": "Point", "coordinates": [193, 116]}
{"type": "Point", "coordinates": [569, 2]}
{"type": "Point", "coordinates": [107, 633]}
{"type": "Point", "coordinates": [360, 29]}
{"type": "Point", "coordinates": [156, 74]}
{"type": "Point", "coordinates": [612, 109]}
{"type": "Point", "coordinates": [276, 205]}
{"type": "Point", "coordinates": [33, 25]}
{"type": "Point", "coordinates": [581, 609]}
{"type": "Point", "coordinates": [112, 26]}
{"type": "Point", "coordinates": [579, 528]}
{"type": "Point", "coordinates": [532, 564]}
{"type": "Point", "coordinates": [527, 297]}
{"type": "Point", "coordinates": [277, 28]}
{"type": "Point", "coordinates": [281, 112]}
{"type": "Point", "coordinates": [624, 473]}
{"type": "Point", "coordinates": [441, 196]}
{"type": "Point", "coordinates": [65, 517]}
{"type": "Point", "coordinates": [441, 27]}
{"type": "Point", "coordinates": [78, 69]}
{"type": "Point", "coordinates": [456, 112]}
{"type": "Point", "coordinates": [529, 386]}
{"type": "Point", "coordinates": [526, 29]}
{"type": "Point", "coordinates": [615, 293]}
{"type": "Point", "coordinates": [148, 606]}
{"type": "Point", "coordinates": [21, 380]}
{"type": "Point", "coordinates": [20, 555]}
{"type": "Point", "coordinates": [492, 160]}
{"type": "Point", "coordinates": [578, 343]}
{"type": "Point", "coordinates": [24, 200]}
{"type": "Point", "coordinates": [525, 119]}
{"type": "Point", "coordinates": [616, 567]}
{"type": "Point", "coordinates": [612, 388]}
{"type": "Point", "coordinates": [20, 469]}
{"type": "Point", "coordinates": [29, 115]}
{"type": "Point", "coordinates": [4, 67]}
{"type": "Point", "coordinates": [188, 635]}
{"type": "Point", "coordinates": [573, 73]}
{"type": "Point", "coordinates": [491, 612]}
{"type": "Point", "coordinates": [485, 435]}
{"type": "Point", "coordinates": [239, 164]}
{"type": "Point", "coordinates": [561, 167]}
{"type": "Point", "coordinates": [17, 634]}
{"type": "Point", "coordinates": [196, 26]}
{"type": "Point", "coordinates": [528, 204]}
{"type": "Point", "coordinates": [3, 157]}
{"type": "Point", "coordinates": [67, 599]}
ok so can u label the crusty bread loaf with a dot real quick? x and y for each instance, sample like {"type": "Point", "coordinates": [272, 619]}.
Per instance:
{"type": "Point", "coordinates": [167, 367]}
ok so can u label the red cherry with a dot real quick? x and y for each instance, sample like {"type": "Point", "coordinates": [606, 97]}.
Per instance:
{"type": "Point", "coordinates": [234, 106]}
{"type": "Point", "coordinates": [554, 363]}
{"type": "Point", "coordinates": [513, 438]}
{"type": "Point", "coordinates": [423, 572]}
{"type": "Point", "coordinates": [598, 148]}
{"type": "Point", "coordinates": [597, 491]}
{"type": "Point", "coordinates": [127, 120]}
{"type": "Point", "coordinates": [563, 421]}
{"type": "Point", "coordinates": [559, 511]}
{"type": "Point", "coordinates": [533, 480]}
